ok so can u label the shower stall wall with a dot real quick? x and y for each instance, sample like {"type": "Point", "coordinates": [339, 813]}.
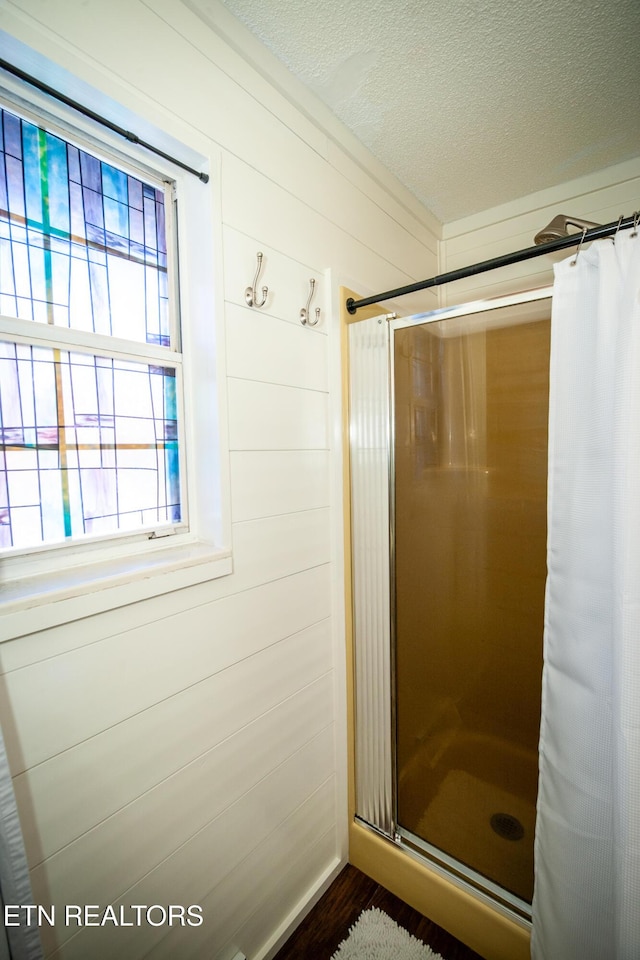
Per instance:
{"type": "Point", "coordinates": [448, 450]}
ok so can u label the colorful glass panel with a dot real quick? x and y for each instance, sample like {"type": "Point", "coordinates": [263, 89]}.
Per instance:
{"type": "Point", "coordinates": [82, 243]}
{"type": "Point", "coordinates": [88, 443]}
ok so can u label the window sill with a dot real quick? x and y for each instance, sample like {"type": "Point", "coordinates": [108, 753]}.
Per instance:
{"type": "Point", "coordinates": [38, 603]}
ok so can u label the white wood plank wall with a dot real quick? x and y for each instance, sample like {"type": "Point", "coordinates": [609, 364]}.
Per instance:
{"type": "Point", "coordinates": [191, 749]}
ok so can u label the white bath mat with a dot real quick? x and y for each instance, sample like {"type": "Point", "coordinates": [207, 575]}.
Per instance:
{"type": "Point", "coordinates": [375, 936]}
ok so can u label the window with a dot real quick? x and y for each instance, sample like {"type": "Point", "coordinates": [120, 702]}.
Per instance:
{"type": "Point", "coordinates": [89, 440]}
{"type": "Point", "coordinates": [93, 423]}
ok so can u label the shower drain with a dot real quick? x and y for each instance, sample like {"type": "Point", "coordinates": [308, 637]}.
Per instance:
{"type": "Point", "coordinates": [506, 826]}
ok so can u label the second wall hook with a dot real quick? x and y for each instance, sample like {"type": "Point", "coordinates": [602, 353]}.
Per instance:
{"type": "Point", "coordinates": [250, 294]}
{"type": "Point", "coordinates": [304, 313]}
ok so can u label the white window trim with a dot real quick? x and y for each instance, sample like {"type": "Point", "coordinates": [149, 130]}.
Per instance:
{"type": "Point", "coordinates": [101, 575]}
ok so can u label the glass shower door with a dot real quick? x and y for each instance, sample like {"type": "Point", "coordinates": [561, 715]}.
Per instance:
{"type": "Point", "coordinates": [469, 418]}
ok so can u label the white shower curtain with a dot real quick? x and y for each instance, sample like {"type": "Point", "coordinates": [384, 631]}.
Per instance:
{"type": "Point", "coordinates": [587, 891]}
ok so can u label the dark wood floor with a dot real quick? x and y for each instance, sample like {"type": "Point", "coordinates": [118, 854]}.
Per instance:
{"type": "Point", "coordinates": [328, 923]}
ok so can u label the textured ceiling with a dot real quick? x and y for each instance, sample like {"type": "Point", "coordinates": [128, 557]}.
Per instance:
{"type": "Point", "coordinates": [470, 103]}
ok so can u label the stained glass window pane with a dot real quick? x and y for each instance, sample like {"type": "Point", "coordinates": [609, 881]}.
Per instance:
{"type": "Point", "coordinates": [88, 442]}
{"type": "Point", "coordinates": [88, 445]}
{"type": "Point", "coordinates": [82, 243]}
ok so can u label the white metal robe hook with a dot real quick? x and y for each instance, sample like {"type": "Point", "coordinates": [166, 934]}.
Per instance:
{"type": "Point", "coordinates": [250, 294]}
{"type": "Point", "coordinates": [304, 313]}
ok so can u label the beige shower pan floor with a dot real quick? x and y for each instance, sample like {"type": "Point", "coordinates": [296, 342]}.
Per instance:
{"type": "Point", "coordinates": [476, 778]}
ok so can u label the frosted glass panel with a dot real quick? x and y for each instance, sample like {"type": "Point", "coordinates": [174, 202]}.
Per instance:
{"type": "Point", "coordinates": [471, 407]}
{"type": "Point", "coordinates": [369, 449]}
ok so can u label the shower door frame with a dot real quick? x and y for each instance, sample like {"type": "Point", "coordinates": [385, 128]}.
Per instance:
{"type": "Point", "coordinates": [372, 472]}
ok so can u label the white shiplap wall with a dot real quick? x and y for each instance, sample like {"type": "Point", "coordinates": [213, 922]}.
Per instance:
{"type": "Point", "coordinates": [191, 749]}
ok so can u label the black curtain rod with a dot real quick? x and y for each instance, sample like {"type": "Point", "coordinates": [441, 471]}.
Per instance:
{"type": "Point", "coordinates": [594, 234]}
{"type": "Point", "coordinates": [87, 112]}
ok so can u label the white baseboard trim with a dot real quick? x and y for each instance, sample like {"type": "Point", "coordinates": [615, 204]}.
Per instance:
{"type": "Point", "coordinates": [300, 911]}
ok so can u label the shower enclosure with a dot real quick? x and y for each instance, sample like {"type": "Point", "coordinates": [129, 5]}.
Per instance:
{"type": "Point", "coordinates": [448, 448]}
